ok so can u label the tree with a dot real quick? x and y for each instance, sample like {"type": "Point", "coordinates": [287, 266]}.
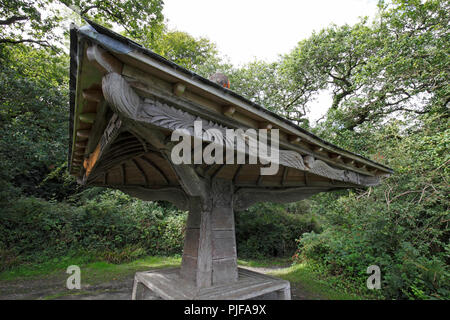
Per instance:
{"type": "Point", "coordinates": [199, 55]}
{"type": "Point", "coordinates": [396, 66]}
{"type": "Point", "coordinates": [34, 115]}
{"type": "Point", "coordinates": [389, 83]}
{"type": "Point", "coordinates": [38, 21]}
{"type": "Point", "coordinates": [268, 85]}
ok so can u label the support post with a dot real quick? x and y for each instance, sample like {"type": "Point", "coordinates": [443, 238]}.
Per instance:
{"type": "Point", "coordinates": [209, 255]}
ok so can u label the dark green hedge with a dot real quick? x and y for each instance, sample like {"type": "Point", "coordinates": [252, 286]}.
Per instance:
{"type": "Point", "coordinates": [114, 225]}
{"type": "Point", "coordinates": [118, 228]}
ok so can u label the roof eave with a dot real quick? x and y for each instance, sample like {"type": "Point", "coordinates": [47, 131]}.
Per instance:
{"type": "Point", "coordinates": [119, 44]}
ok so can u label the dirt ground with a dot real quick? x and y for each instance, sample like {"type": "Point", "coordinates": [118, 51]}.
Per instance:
{"type": "Point", "coordinates": [54, 287]}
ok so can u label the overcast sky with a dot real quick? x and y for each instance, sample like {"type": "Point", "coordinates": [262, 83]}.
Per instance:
{"type": "Point", "coordinates": [247, 29]}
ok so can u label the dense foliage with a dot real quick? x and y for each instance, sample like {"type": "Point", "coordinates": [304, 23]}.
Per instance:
{"type": "Point", "coordinates": [42, 22]}
{"type": "Point", "coordinates": [388, 83]}
{"type": "Point", "coordinates": [401, 226]}
{"type": "Point", "coordinates": [33, 118]}
{"type": "Point", "coordinates": [271, 230]}
{"type": "Point", "coordinates": [391, 105]}
{"type": "Point", "coordinates": [110, 224]}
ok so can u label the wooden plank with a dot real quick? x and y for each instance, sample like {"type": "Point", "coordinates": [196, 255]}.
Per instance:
{"type": "Point", "coordinates": [285, 174]}
{"type": "Point", "coordinates": [156, 168]}
{"type": "Point", "coordinates": [123, 171]}
{"type": "Point", "coordinates": [103, 60]}
{"type": "Point", "coordinates": [143, 173]}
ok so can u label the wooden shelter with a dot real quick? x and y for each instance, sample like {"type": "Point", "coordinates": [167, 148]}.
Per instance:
{"type": "Point", "coordinates": [125, 103]}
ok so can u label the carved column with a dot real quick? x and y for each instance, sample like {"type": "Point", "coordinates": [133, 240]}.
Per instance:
{"type": "Point", "coordinates": [209, 255]}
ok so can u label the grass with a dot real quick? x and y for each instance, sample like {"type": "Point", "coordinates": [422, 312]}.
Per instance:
{"type": "Point", "coordinates": [44, 268]}
{"type": "Point", "coordinates": [103, 271]}
{"type": "Point", "coordinates": [93, 271]}
{"type": "Point", "coordinates": [65, 293]}
{"type": "Point", "coordinates": [50, 277]}
{"type": "Point", "coordinates": [90, 266]}
{"type": "Point", "coordinates": [264, 263]}
{"type": "Point", "coordinates": [306, 279]}
{"type": "Point", "coordinates": [313, 282]}
{"type": "Point", "coordinates": [314, 285]}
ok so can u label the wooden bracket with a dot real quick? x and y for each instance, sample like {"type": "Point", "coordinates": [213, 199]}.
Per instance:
{"type": "Point", "coordinates": [178, 89]}
{"type": "Point", "coordinates": [293, 139]}
{"type": "Point", "coordinates": [265, 125]}
{"type": "Point", "coordinates": [318, 149]}
{"type": "Point", "coordinates": [229, 111]}
{"type": "Point", "coordinates": [95, 95]}
{"type": "Point", "coordinates": [83, 134]}
{"type": "Point", "coordinates": [103, 60]}
{"type": "Point", "coordinates": [88, 117]}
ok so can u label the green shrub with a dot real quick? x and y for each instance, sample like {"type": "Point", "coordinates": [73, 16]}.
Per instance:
{"type": "Point", "coordinates": [123, 255]}
{"type": "Point", "coordinates": [406, 242]}
{"type": "Point", "coordinates": [111, 224]}
{"type": "Point", "coordinates": [402, 225]}
{"type": "Point", "coordinates": [30, 225]}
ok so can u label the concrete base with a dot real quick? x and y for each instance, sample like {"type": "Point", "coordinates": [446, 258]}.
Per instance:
{"type": "Point", "coordinates": [168, 285]}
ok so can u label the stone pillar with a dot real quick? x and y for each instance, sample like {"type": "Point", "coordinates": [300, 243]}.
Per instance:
{"type": "Point", "coordinates": [209, 255]}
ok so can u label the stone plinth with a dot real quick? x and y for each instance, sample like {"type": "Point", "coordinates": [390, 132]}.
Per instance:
{"type": "Point", "coordinates": [167, 284]}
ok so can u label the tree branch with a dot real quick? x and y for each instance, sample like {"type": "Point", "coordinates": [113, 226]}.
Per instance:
{"type": "Point", "coordinates": [85, 10]}
{"type": "Point", "coordinates": [13, 19]}
{"type": "Point", "coordinates": [40, 42]}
